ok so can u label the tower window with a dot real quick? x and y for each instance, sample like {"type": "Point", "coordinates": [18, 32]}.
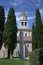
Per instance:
{"type": "Point", "coordinates": [25, 34]}
{"type": "Point", "coordinates": [27, 45]}
{"type": "Point", "coordinates": [25, 23]}
{"type": "Point", "coordinates": [22, 23]}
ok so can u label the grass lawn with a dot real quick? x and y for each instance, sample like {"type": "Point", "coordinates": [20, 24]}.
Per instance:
{"type": "Point", "coordinates": [26, 62]}
{"type": "Point", "coordinates": [14, 61]}
{"type": "Point", "coordinates": [11, 62]}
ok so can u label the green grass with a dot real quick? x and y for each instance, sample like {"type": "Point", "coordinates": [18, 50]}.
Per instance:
{"type": "Point", "coordinates": [14, 61]}
{"type": "Point", "coordinates": [11, 62]}
{"type": "Point", "coordinates": [26, 62]}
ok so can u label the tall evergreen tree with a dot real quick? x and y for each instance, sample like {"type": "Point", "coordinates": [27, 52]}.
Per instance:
{"type": "Point", "coordinates": [33, 31]}
{"type": "Point", "coordinates": [38, 23]}
{"type": "Point", "coordinates": [42, 35]}
{"type": "Point", "coordinates": [2, 20]}
{"type": "Point", "coordinates": [34, 39]}
{"type": "Point", "coordinates": [10, 33]}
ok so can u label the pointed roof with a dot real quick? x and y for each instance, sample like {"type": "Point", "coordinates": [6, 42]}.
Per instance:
{"type": "Point", "coordinates": [23, 13]}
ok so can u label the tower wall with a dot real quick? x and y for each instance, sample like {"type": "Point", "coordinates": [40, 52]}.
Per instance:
{"type": "Point", "coordinates": [23, 20]}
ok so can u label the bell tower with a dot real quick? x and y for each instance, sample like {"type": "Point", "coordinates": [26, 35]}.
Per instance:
{"type": "Point", "coordinates": [23, 20]}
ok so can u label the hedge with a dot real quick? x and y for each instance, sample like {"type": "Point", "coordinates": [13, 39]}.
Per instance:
{"type": "Point", "coordinates": [36, 57]}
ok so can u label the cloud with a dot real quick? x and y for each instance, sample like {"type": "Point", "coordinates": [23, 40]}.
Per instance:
{"type": "Point", "coordinates": [41, 11]}
{"type": "Point", "coordinates": [19, 1]}
{"type": "Point", "coordinates": [17, 13]}
{"type": "Point", "coordinates": [6, 13]}
{"type": "Point", "coordinates": [39, 0]}
{"type": "Point", "coordinates": [36, 1]}
{"type": "Point", "coordinates": [15, 2]}
{"type": "Point", "coordinates": [37, 5]}
{"type": "Point", "coordinates": [12, 3]}
{"type": "Point", "coordinates": [29, 18]}
{"type": "Point", "coordinates": [17, 18]}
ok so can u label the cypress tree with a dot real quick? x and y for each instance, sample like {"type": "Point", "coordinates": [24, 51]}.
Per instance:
{"type": "Point", "coordinates": [38, 24]}
{"type": "Point", "coordinates": [2, 20]}
{"type": "Point", "coordinates": [10, 32]}
{"type": "Point", "coordinates": [34, 39]}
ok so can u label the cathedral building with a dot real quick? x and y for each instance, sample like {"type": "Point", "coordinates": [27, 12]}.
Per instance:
{"type": "Point", "coordinates": [27, 37]}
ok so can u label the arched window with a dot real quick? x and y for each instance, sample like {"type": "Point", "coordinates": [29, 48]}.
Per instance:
{"type": "Point", "coordinates": [27, 45]}
{"type": "Point", "coordinates": [22, 23]}
{"type": "Point", "coordinates": [25, 23]}
{"type": "Point", "coordinates": [25, 34]}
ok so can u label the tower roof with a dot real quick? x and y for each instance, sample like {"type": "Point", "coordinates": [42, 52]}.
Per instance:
{"type": "Point", "coordinates": [23, 13]}
{"type": "Point", "coordinates": [23, 20]}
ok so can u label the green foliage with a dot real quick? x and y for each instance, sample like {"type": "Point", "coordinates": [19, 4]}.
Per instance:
{"type": "Point", "coordinates": [2, 20]}
{"type": "Point", "coordinates": [41, 57]}
{"type": "Point", "coordinates": [11, 62]}
{"type": "Point", "coordinates": [27, 62]}
{"type": "Point", "coordinates": [34, 57]}
{"type": "Point", "coordinates": [10, 33]}
{"type": "Point", "coordinates": [34, 39]}
{"type": "Point", "coordinates": [38, 24]}
{"type": "Point", "coordinates": [37, 32]}
{"type": "Point", "coordinates": [42, 35]}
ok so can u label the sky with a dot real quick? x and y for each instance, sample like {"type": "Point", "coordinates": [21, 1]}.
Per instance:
{"type": "Point", "coordinates": [29, 6]}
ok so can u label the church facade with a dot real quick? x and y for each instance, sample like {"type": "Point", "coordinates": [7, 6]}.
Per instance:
{"type": "Point", "coordinates": [27, 37]}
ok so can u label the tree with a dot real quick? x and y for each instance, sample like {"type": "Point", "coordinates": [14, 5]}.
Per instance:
{"type": "Point", "coordinates": [34, 39]}
{"type": "Point", "coordinates": [37, 32]}
{"type": "Point", "coordinates": [38, 24]}
{"type": "Point", "coordinates": [10, 33]}
{"type": "Point", "coordinates": [2, 20]}
{"type": "Point", "coordinates": [42, 35]}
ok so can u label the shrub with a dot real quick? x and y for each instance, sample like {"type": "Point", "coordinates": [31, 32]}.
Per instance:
{"type": "Point", "coordinates": [36, 57]}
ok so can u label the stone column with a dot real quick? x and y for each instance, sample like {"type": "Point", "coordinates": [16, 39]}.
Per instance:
{"type": "Point", "coordinates": [24, 50]}
{"type": "Point", "coordinates": [21, 45]}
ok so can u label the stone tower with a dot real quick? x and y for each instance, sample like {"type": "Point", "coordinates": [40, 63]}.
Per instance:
{"type": "Point", "coordinates": [23, 20]}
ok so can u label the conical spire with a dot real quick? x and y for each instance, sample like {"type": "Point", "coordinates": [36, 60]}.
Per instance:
{"type": "Point", "coordinates": [23, 13]}
{"type": "Point", "coordinates": [23, 20]}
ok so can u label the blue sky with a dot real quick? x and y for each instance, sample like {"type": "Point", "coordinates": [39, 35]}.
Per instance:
{"type": "Point", "coordinates": [29, 6]}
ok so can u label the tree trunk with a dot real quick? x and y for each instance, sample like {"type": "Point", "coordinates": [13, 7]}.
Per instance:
{"type": "Point", "coordinates": [11, 55]}
{"type": "Point", "coordinates": [8, 53]}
